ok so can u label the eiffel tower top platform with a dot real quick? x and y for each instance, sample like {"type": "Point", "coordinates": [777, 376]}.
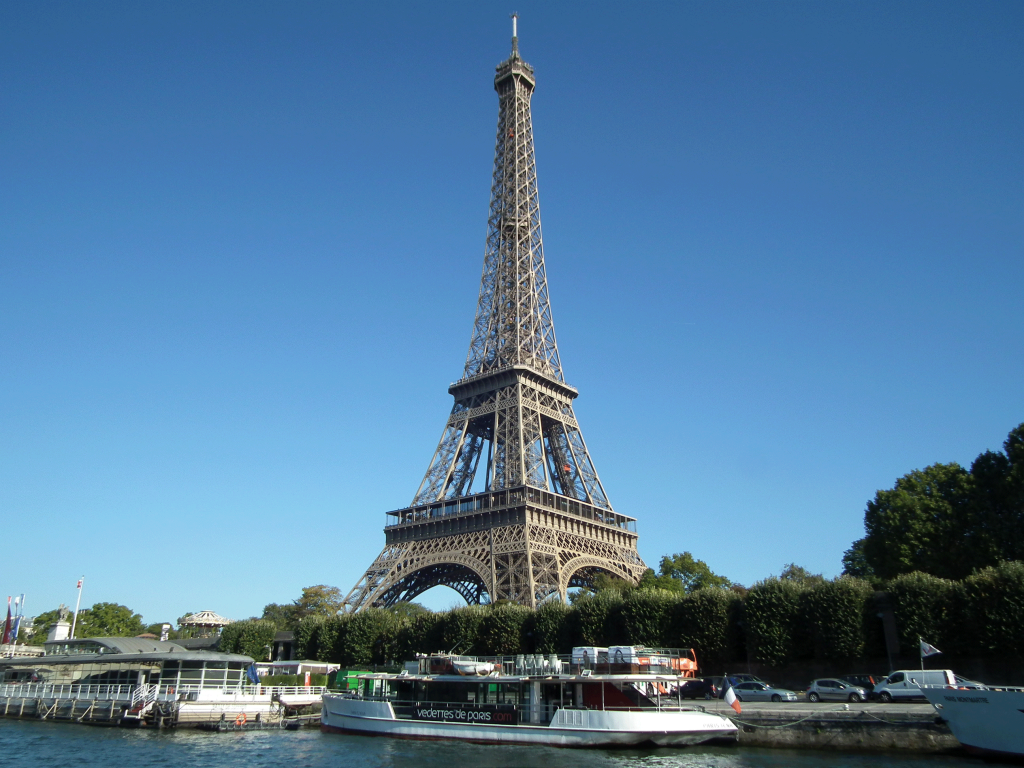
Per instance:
{"type": "Point", "coordinates": [511, 506]}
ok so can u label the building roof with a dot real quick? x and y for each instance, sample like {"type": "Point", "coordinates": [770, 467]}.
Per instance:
{"type": "Point", "coordinates": [205, 619]}
{"type": "Point", "coordinates": [124, 644]}
{"type": "Point", "coordinates": [129, 649]}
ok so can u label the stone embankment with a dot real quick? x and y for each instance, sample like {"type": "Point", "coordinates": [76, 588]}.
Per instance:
{"type": "Point", "coordinates": [862, 726]}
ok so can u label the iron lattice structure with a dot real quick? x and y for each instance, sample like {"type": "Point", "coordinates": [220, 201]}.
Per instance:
{"type": "Point", "coordinates": [511, 507]}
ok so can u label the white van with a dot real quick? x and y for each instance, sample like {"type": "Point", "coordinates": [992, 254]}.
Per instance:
{"type": "Point", "coordinates": [906, 683]}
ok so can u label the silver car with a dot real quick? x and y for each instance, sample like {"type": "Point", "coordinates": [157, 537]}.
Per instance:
{"type": "Point", "coordinates": [828, 688]}
{"type": "Point", "coordinates": [762, 692]}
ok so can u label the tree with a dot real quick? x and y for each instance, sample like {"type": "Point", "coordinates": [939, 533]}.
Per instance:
{"type": "Point", "coordinates": [109, 620]}
{"type": "Point", "coordinates": [799, 574]}
{"type": "Point", "coordinates": [407, 610]}
{"type": "Point", "coordinates": [996, 508]}
{"type": "Point", "coordinates": [691, 574]}
{"type": "Point", "coordinates": [604, 583]}
{"type": "Point", "coordinates": [912, 526]}
{"type": "Point", "coordinates": [855, 563]}
{"type": "Point", "coordinates": [318, 600]}
{"type": "Point", "coordinates": [284, 617]}
{"type": "Point", "coordinates": [41, 626]}
{"type": "Point", "coordinates": [158, 628]}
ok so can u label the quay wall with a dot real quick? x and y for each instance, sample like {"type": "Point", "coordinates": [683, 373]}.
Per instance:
{"type": "Point", "coordinates": [857, 729]}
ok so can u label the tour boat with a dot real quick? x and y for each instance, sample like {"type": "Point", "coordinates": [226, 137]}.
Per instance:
{"type": "Point", "coordinates": [623, 696]}
{"type": "Point", "coordinates": [985, 720]}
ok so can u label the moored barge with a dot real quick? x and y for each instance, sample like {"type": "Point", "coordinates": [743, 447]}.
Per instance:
{"type": "Point", "coordinates": [137, 681]}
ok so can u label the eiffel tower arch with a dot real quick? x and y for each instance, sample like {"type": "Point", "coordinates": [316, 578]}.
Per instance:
{"type": "Point", "coordinates": [511, 506]}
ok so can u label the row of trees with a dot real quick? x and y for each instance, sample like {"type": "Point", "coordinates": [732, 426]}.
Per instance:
{"type": "Point", "coordinates": [917, 524]}
{"type": "Point", "coordinates": [777, 621]}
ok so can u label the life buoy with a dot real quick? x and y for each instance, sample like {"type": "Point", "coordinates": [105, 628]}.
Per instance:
{"type": "Point", "coordinates": [241, 719]}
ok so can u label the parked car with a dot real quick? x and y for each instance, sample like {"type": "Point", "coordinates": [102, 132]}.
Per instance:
{"type": "Point", "coordinates": [867, 682]}
{"type": "Point", "coordinates": [699, 689]}
{"type": "Point", "coordinates": [762, 692]}
{"type": "Point", "coordinates": [906, 683]}
{"type": "Point", "coordinates": [734, 679]}
{"type": "Point", "coordinates": [719, 682]}
{"type": "Point", "coordinates": [829, 688]}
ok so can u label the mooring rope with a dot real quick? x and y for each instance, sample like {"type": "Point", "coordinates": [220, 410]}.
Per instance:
{"type": "Point", "coordinates": [814, 715]}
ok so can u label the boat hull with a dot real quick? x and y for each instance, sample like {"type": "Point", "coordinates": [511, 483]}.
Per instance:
{"type": "Point", "coordinates": [984, 721]}
{"type": "Point", "coordinates": [568, 728]}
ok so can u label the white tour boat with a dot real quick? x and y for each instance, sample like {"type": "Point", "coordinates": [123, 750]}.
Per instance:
{"type": "Point", "coordinates": [985, 720]}
{"type": "Point", "coordinates": [599, 697]}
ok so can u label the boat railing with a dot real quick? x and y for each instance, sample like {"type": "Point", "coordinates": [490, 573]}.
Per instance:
{"type": "Point", "coordinates": [133, 694]}
{"type": "Point", "coordinates": [545, 665]}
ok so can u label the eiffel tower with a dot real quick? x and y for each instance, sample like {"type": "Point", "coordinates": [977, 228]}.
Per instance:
{"type": "Point", "coordinates": [511, 507]}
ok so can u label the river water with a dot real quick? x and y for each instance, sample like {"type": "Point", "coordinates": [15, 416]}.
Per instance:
{"type": "Point", "coordinates": [37, 744]}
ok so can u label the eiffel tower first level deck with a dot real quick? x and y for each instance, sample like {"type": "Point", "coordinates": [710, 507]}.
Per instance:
{"type": "Point", "coordinates": [511, 506]}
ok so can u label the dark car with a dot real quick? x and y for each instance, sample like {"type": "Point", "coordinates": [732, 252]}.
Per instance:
{"type": "Point", "coordinates": [867, 682]}
{"type": "Point", "coordinates": [699, 689]}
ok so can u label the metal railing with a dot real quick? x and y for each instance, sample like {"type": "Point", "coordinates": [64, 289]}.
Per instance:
{"type": "Point", "coordinates": [496, 500]}
{"type": "Point", "coordinates": [645, 661]}
{"type": "Point", "coordinates": [130, 693]}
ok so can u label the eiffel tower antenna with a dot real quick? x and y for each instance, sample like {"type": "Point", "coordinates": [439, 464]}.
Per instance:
{"type": "Point", "coordinates": [511, 506]}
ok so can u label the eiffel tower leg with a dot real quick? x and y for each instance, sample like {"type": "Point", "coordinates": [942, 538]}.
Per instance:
{"type": "Point", "coordinates": [405, 570]}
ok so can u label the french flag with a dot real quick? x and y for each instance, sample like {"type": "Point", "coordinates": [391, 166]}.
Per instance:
{"type": "Point", "coordinates": [730, 696]}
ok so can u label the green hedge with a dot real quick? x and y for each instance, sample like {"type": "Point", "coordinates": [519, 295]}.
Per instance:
{"type": "Point", "coordinates": [254, 638]}
{"type": "Point", "coordinates": [551, 627]}
{"type": "Point", "coordinates": [771, 612]}
{"type": "Point", "coordinates": [925, 607]}
{"type": "Point", "coordinates": [314, 679]}
{"type": "Point", "coordinates": [834, 614]}
{"type": "Point", "coordinates": [776, 622]}
{"type": "Point", "coordinates": [991, 611]}
{"type": "Point", "coordinates": [701, 621]}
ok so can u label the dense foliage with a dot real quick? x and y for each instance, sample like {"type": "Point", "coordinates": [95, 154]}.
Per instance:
{"type": "Point", "coordinates": [253, 638]}
{"type": "Point", "coordinates": [913, 525]}
{"type": "Point", "coordinates": [101, 620]}
{"type": "Point", "coordinates": [795, 617]}
{"type": "Point", "coordinates": [318, 600]}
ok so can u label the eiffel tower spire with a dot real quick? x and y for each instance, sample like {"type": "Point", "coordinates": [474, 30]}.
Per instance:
{"type": "Point", "coordinates": [511, 466]}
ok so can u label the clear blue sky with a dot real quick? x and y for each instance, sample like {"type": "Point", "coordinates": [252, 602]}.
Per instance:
{"type": "Point", "coordinates": [240, 249]}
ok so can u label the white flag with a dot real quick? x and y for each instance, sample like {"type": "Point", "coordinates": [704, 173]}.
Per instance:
{"type": "Point", "coordinates": [928, 650]}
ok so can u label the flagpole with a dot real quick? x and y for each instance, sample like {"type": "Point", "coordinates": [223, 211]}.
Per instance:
{"type": "Point", "coordinates": [17, 622]}
{"type": "Point", "coordinates": [74, 621]}
{"type": "Point", "coordinates": [920, 650]}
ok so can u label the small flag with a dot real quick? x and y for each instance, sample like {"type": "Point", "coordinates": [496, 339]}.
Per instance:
{"type": "Point", "coordinates": [928, 650]}
{"type": "Point", "coordinates": [79, 584]}
{"type": "Point", "coordinates": [7, 624]}
{"type": "Point", "coordinates": [252, 674]}
{"type": "Point", "coordinates": [730, 696]}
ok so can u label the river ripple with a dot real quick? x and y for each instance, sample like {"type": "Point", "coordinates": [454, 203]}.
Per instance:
{"type": "Point", "coordinates": [65, 745]}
